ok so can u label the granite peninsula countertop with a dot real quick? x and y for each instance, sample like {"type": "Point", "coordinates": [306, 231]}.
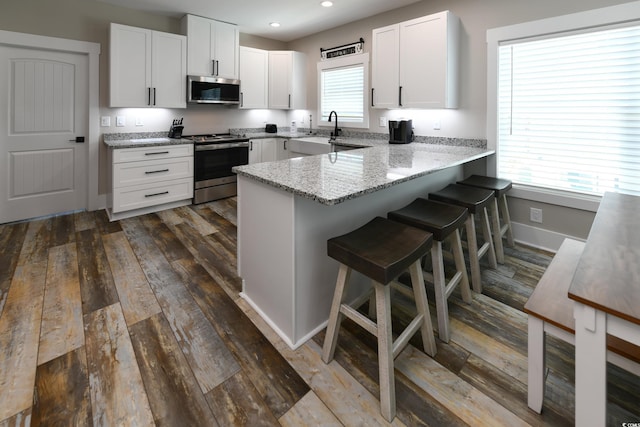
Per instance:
{"type": "Point", "coordinates": [337, 177]}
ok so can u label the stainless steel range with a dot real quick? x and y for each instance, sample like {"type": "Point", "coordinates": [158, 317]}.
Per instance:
{"type": "Point", "coordinates": [214, 157]}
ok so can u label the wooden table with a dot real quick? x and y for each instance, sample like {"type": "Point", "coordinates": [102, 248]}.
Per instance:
{"type": "Point", "coordinates": [606, 290]}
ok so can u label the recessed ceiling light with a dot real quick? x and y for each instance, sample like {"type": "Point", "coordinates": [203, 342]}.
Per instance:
{"type": "Point", "coordinates": [274, 24]}
{"type": "Point", "coordinates": [326, 4]}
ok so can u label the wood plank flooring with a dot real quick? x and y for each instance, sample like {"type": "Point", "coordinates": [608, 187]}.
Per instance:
{"type": "Point", "coordinates": [139, 322]}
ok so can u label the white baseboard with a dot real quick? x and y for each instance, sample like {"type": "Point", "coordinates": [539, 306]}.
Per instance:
{"type": "Point", "coordinates": [287, 340]}
{"type": "Point", "coordinates": [538, 237]}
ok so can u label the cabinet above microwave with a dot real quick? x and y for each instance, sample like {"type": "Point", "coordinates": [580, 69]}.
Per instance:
{"type": "Point", "coordinates": [212, 90]}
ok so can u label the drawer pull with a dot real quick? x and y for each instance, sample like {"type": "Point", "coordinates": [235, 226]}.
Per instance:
{"type": "Point", "coordinates": [156, 194]}
{"type": "Point", "coordinates": [158, 171]}
{"type": "Point", "coordinates": [157, 152]}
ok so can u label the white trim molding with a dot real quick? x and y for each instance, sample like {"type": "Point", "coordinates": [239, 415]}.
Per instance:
{"type": "Point", "coordinates": [540, 238]}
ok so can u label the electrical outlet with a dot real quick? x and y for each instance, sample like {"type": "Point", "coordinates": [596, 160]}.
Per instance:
{"type": "Point", "coordinates": [437, 124]}
{"type": "Point", "coordinates": [105, 121]}
{"type": "Point", "coordinates": [383, 122]}
{"type": "Point", "coordinates": [535, 215]}
{"type": "Point", "coordinates": [121, 121]}
{"type": "Point", "coordinates": [139, 121]}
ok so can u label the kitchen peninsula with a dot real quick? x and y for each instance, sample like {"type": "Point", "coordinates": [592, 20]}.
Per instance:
{"type": "Point", "coordinates": [288, 209]}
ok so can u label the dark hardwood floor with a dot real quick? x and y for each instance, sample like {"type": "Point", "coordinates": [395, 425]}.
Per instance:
{"type": "Point", "coordinates": [140, 322]}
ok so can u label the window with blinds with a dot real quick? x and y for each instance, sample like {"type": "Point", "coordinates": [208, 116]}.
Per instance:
{"type": "Point", "coordinates": [569, 111]}
{"type": "Point", "coordinates": [342, 88]}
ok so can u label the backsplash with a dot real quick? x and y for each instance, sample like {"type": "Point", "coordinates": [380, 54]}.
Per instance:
{"type": "Point", "coordinates": [301, 132]}
{"type": "Point", "coordinates": [346, 133]}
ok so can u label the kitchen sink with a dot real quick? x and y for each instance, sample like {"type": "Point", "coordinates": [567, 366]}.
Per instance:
{"type": "Point", "coordinates": [309, 146]}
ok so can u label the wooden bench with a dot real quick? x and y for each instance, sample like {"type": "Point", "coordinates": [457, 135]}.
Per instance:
{"type": "Point", "coordinates": [550, 311]}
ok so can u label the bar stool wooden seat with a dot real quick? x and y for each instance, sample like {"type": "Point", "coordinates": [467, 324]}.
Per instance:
{"type": "Point", "coordinates": [500, 187]}
{"type": "Point", "coordinates": [476, 200]}
{"type": "Point", "coordinates": [443, 220]}
{"type": "Point", "coordinates": [381, 250]}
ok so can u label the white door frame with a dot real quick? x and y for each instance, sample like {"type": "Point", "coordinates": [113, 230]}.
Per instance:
{"type": "Point", "coordinates": [92, 50]}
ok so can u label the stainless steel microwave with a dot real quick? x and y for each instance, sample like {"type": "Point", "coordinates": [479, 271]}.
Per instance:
{"type": "Point", "coordinates": [212, 90]}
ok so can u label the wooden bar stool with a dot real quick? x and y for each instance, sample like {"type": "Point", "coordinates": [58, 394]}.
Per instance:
{"type": "Point", "coordinates": [500, 187]}
{"type": "Point", "coordinates": [381, 250]}
{"type": "Point", "coordinates": [443, 221]}
{"type": "Point", "coordinates": [476, 201]}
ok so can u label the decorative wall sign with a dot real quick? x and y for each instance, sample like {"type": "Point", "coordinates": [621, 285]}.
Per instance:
{"type": "Point", "coordinates": [344, 50]}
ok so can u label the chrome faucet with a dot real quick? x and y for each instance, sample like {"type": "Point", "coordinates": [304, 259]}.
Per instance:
{"type": "Point", "coordinates": [336, 131]}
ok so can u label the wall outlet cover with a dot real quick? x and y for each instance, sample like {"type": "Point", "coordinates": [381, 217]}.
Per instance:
{"type": "Point", "coordinates": [535, 215]}
{"type": "Point", "coordinates": [105, 121]}
{"type": "Point", "coordinates": [121, 121]}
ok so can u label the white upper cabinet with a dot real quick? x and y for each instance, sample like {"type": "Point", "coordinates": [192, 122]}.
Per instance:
{"type": "Point", "coordinates": [415, 63]}
{"type": "Point", "coordinates": [385, 67]}
{"type": "Point", "coordinates": [254, 78]}
{"type": "Point", "coordinates": [213, 47]}
{"type": "Point", "coordinates": [147, 68]}
{"type": "Point", "coordinates": [287, 80]}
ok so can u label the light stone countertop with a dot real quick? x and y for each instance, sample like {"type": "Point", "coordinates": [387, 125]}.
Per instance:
{"type": "Point", "coordinates": [336, 177]}
{"type": "Point", "coordinates": [144, 142]}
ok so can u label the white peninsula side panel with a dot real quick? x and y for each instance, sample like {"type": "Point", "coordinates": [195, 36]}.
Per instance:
{"type": "Point", "coordinates": [282, 248]}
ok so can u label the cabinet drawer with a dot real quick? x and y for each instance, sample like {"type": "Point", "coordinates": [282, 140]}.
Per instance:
{"type": "Point", "coordinates": [151, 153]}
{"type": "Point", "coordinates": [141, 196]}
{"type": "Point", "coordinates": [151, 171]}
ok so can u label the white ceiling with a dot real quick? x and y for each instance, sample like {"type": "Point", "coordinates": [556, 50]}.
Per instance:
{"type": "Point", "coordinates": [298, 18]}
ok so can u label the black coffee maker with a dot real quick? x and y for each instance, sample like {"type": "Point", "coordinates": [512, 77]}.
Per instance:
{"type": "Point", "coordinates": [400, 131]}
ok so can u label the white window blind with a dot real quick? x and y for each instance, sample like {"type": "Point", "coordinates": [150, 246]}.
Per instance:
{"type": "Point", "coordinates": [342, 89]}
{"type": "Point", "coordinates": [569, 111]}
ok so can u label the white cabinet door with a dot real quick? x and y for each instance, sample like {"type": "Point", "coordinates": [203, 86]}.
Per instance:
{"type": "Point", "coordinates": [254, 151]}
{"type": "Point", "coordinates": [428, 61]}
{"type": "Point", "coordinates": [280, 70]}
{"type": "Point", "coordinates": [254, 72]}
{"type": "Point", "coordinates": [169, 70]}
{"type": "Point", "coordinates": [213, 47]}
{"type": "Point", "coordinates": [199, 56]}
{"type": "Point", "coordinates": [130, 66]}
{"type": "Point", "coordinates": [282, 151]}
{"type": "Point", "coordinates": [385, 68]}
{"type": "Point", "coordinates": [147, 68]}
{"type": "Point", "coordinates": [287, 80]}
{"type": "Point", "coordinates": [269, 150]}
{"type": "Point", "coordinates": [414, 63]}
{"type": "Point", "coordinates": [226, 49]}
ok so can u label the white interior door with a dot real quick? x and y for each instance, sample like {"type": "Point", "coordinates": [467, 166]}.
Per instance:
{"type": "Point", "coordinates": [43, 109]}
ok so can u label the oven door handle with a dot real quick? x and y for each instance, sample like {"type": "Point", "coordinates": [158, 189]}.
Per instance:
{"type": "Point", "coordinates": [211, 147]}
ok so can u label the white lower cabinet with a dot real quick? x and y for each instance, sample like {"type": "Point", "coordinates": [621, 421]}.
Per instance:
{"type": "Point", "coordinates": [150, 177]}
{"type": "Point", "coordinates": [268, 150]}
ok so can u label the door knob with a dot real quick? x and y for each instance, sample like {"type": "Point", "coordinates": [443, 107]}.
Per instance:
{"type": "Point", "coordinates": [78, 140]}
